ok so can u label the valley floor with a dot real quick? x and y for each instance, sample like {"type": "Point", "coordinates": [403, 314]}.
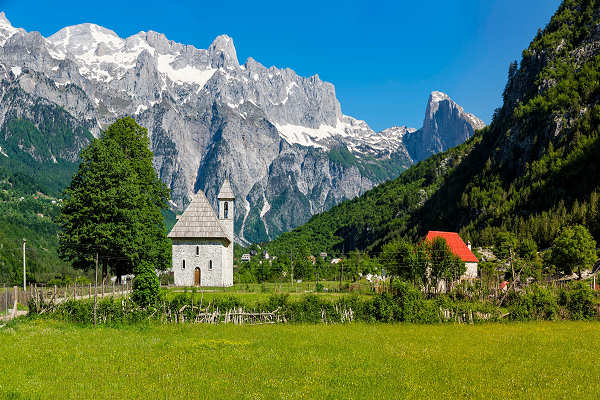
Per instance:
{"type": "Point", "coordinates": [51, 359]}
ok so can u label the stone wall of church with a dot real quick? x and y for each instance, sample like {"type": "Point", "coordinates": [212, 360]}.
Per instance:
{"type": "Point", "coordinates": [199, 253]}
{"type": "Point", "coordinates": [227, 264]}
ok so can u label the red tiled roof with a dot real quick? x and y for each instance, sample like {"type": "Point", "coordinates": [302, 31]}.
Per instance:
{"type": "Point", "coordinates": [455, 243]}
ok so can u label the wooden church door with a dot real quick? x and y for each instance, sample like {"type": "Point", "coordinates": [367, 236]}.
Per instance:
{"type": "Point", "coordinates": [197, 276]}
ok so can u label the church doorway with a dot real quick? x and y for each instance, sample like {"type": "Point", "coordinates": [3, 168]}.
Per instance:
{"type": "Point", "coordinates": [197, 276]}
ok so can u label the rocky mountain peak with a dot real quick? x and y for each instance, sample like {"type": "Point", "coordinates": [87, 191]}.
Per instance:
{"type": "Point", "coordinates": [439, 100]}
{"type": "Point", "coordinates": [433, 105]}
{"type": "Point", "coordinates": [83, 38]}
{"type": "Point", "coordinates": [6, 29]}
{"type": "Point", "coordinates": [223, 52]}
{"type": "Point", "coordinates": [3, 20]}
{"type": "Point", "coordinates": [446, 124]}
{"type": "Point", "coordinates": [436, 97]}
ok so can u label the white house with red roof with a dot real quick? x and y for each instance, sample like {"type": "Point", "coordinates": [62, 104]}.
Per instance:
{"type": "Point", "coordinates": [460, 249]}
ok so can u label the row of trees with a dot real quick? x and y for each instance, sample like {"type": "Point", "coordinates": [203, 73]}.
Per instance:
{"type": "Point", "coordinates": [302, 265]}
{"type": "Point", "coordinates": [427, 263]}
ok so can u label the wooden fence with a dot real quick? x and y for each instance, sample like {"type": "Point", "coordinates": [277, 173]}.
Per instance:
{"type": "Point", "coordinates": [234, 316]}
{"type": "Point", "coordinates": [14, 298]}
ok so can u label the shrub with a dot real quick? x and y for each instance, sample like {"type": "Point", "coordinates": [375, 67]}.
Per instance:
{"type": "Point", "coordinates": [385, 309]}
{"type": "Point", "coordinates": [535, 303]}
{"type": "Point", "coordinates": [578, 299]}
{"type": "Point", "coordinates": [145, 285]}
{"type": "Point", "coordinates": [410, 302]}
{"type": "Point", "coordinates": [306, 310]}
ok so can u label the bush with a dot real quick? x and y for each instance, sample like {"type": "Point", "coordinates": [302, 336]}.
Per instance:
{"type": "Point", "coordinates": [578, 299]}
{"type": "Point", "coordinates": [306, 310]}
{"type": "Point", "coordinates": [145, 288]}
{"type": "Point", "coordinates": [410, 301]}
{"type": "Point", "coordinates": [385, 308]}
{"type": "Point", "coordinates": [535, 303]}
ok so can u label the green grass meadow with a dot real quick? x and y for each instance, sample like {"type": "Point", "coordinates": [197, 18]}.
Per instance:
{"type": "Point", "coordinates": [50, 359]}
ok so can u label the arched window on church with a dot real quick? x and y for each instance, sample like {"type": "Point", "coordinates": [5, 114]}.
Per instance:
{"type": "Point", "coordinates": [226, 210]}
{"type": "Point", "coordinates": [197, 250]}
{"type": "Point", "coordinates": [183, 264]}
{"type": "Point", "coordinates": [210, 264]}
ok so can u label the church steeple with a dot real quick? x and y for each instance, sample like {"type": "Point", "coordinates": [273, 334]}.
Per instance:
{"type": "Point", "coordinates": [226, 210]}
{"type": "Point", "coordinates": [226, 193]}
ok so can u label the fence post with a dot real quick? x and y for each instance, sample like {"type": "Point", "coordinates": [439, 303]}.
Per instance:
{"type": "Point", "coordinates": [113, 288]}
{"type": "Point", "coordinates": [90, 291]}
{"type": "Point", "coordinates": [16, 291]}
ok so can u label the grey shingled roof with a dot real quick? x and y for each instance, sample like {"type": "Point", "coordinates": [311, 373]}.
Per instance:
{"type": "Point", "coordinates": [198, 221]}
{"type": "Point", "coordinates": [226, 192]}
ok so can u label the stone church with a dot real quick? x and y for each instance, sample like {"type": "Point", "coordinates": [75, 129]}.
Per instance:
{"type": "Point", "coordinates": [203, 242]}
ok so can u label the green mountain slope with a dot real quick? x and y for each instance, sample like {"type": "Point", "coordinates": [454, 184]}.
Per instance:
{"type": "Point", "coordinates": [40, 143]}
{"type": "Point", "coordinates": [532, 171]}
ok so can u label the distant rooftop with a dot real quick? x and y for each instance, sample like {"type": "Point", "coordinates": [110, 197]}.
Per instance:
{"type": "Point", "coordinates": [456, 244]}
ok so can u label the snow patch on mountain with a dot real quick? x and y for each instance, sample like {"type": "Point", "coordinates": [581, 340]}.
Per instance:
{"type": "Point", "coordinates": [187, 74]}
{"type": "Point", "coordinates": [6, 29]}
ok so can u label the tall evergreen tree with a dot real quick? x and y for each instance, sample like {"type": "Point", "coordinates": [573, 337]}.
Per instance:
{"type": "Point", "coordinates": [113, 205]}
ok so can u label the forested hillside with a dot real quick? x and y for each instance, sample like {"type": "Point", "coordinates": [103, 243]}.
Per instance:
{"type": "Point", "coordinates": [532, 171]}
{"type": "Point", "coordinates": [40, 143]}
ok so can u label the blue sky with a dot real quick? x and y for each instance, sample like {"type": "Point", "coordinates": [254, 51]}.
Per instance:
{"type": "Point", "coordinates": [383, 57]}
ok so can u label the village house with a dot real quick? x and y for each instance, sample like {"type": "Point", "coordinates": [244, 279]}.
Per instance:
{"type": "Point", "coordinates": [203, 242]}
{"type": "Point", "coordinates": [459, 249]}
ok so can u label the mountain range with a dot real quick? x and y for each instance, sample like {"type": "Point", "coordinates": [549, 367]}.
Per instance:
{"type": "Point", "coordinates": [532, 171]}
{"type": "Point", "coordinates": [281, 139]}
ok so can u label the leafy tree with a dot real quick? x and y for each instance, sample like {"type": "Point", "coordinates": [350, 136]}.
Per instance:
{"type": "Point", "coordinates": [443, 263]}
{"type": "Point", "coordinates": [397, 258]}
{"type": "Point", "coordinates": [573, 250]}
{"type": "Point", "coordinates": [113, 207]}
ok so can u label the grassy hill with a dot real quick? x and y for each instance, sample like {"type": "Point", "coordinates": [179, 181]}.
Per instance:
{"type": "Point", "coordinates": [532, 171]}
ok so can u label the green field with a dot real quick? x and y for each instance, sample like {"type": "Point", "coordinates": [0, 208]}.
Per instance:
{"type": "Point", "coordinates": [50, 359]}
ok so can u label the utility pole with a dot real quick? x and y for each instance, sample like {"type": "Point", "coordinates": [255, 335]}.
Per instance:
{"type": "Point", "coordinates": [341, 272]}
{"type": "Point", "coordinates": [292, 272]}
{"type": "Point", "coordinates": [512, 267]}
{"type": "Point", "coordinates": [342, 266]}
{"type": "Point", "coordinates": [24, 268]}
{"type": "Point", "coordinates": [96, 291]}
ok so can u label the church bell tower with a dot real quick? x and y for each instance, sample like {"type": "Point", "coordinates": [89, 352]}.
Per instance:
{"type": "Point", "coordinates": [226, 211]}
